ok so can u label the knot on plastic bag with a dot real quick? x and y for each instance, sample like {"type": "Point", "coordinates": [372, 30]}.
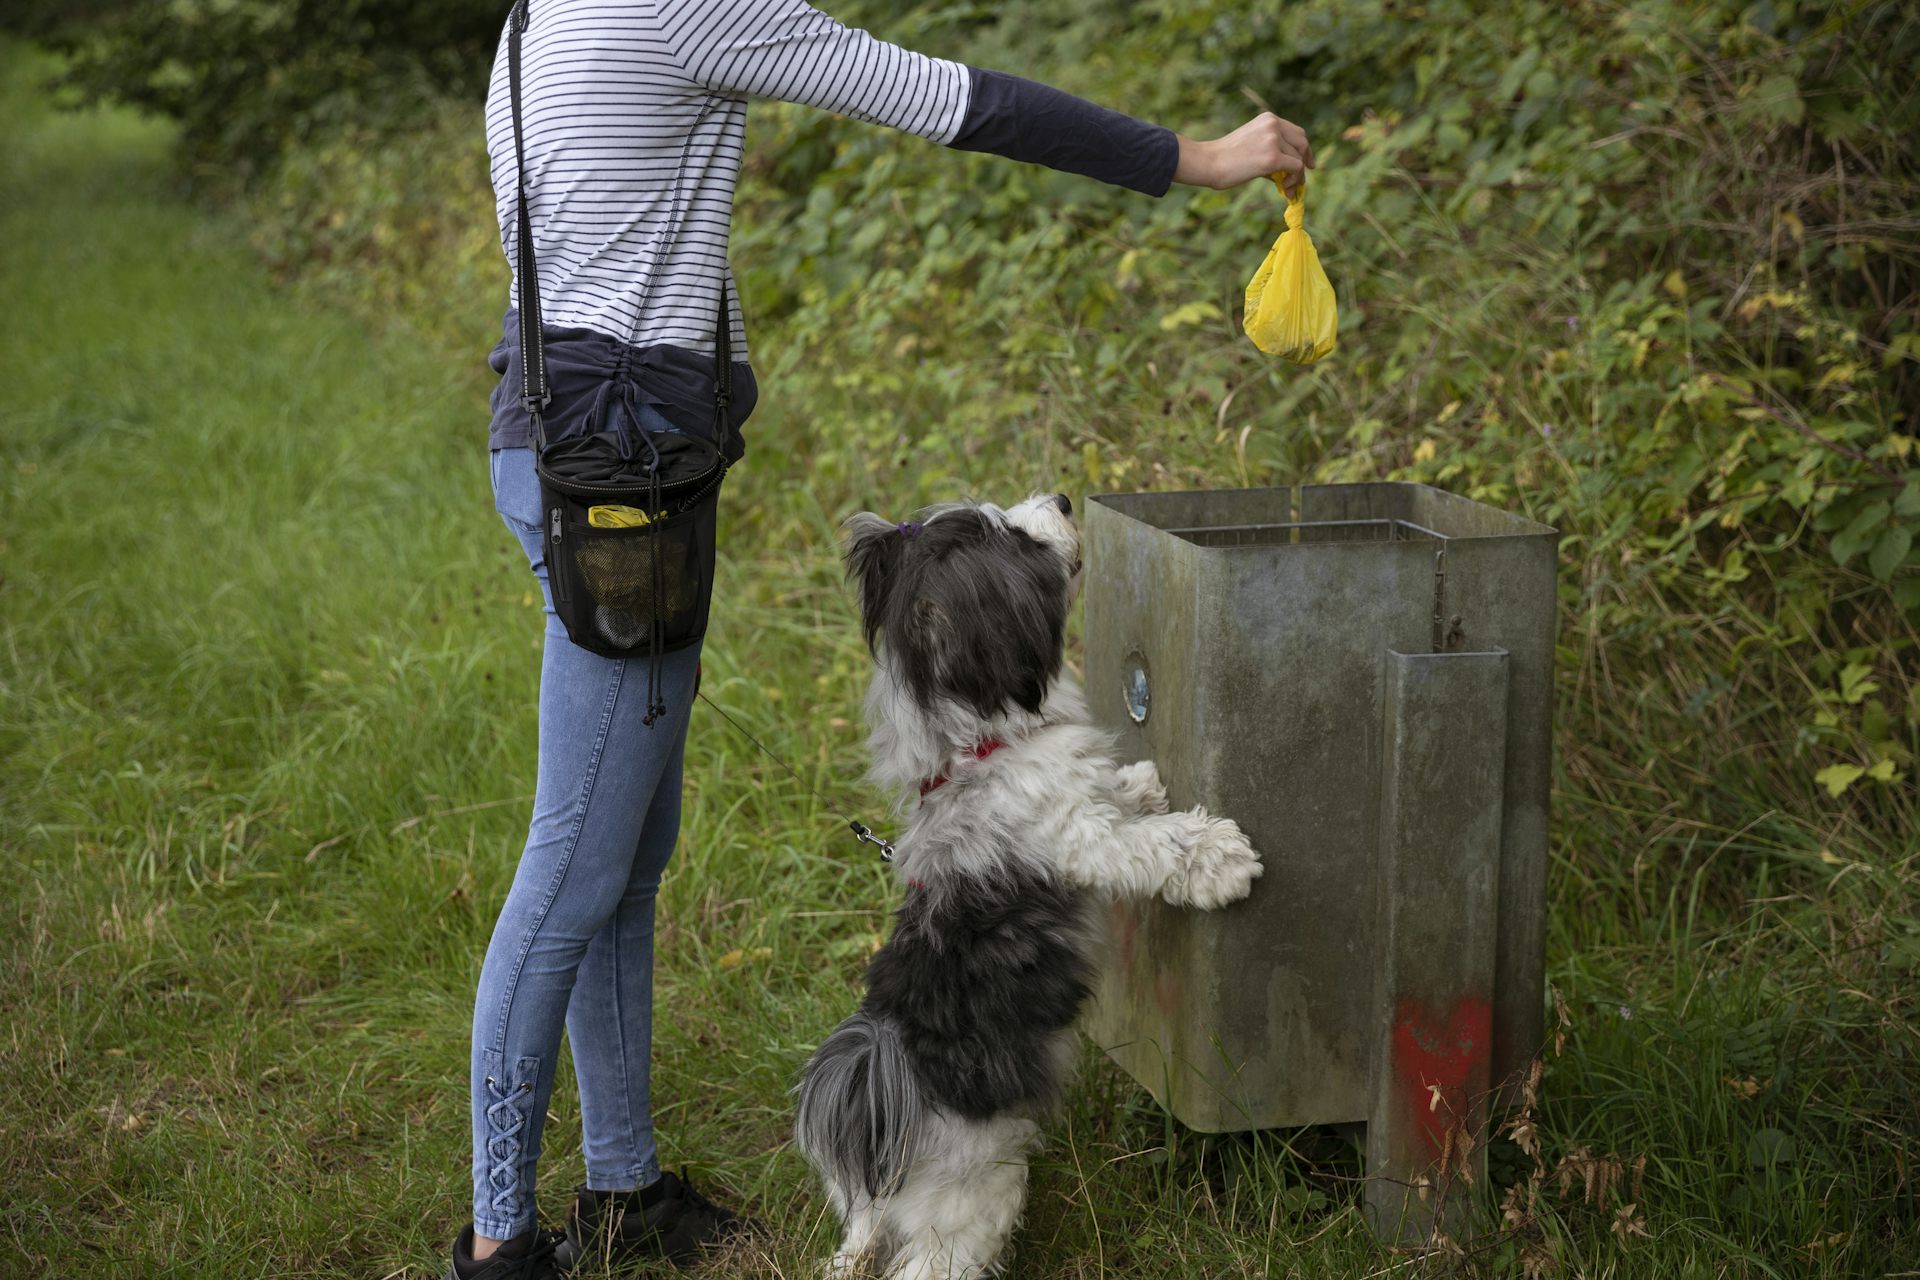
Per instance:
{"type": "Point", "coordinates": [1291, 312]}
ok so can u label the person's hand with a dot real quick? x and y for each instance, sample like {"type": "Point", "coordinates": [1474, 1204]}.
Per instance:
{"type": "Point", "coordinates": [1263, 145]}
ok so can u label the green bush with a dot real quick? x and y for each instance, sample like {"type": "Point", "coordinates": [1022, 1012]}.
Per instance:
{"type": "Point", "coordinates": [52, 19]}
{"type": "Point", "coordinates": [250, 79]}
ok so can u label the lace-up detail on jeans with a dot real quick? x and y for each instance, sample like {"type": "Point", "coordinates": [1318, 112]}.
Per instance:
{"type": "Point", "coordinates": [506, 1128]}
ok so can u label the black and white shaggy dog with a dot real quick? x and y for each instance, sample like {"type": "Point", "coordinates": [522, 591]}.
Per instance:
{"type": "Point", "coordinates": [918, 1111]}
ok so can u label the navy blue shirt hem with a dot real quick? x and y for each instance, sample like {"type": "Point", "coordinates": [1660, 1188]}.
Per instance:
{"type": "Point", "coordinates": [581, 364]}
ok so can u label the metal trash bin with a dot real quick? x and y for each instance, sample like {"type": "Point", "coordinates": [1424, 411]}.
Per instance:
{"type": "Point", "coordinates": [1360, 675]}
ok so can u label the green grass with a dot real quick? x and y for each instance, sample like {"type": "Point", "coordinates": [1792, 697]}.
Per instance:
{"type": "Point", "coordinates": [267, 676]}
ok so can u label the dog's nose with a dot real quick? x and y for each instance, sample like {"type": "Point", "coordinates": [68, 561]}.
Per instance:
{"type": "Point", "coordinates": [1063, 502]}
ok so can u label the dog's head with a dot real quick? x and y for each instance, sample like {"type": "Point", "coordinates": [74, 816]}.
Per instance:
{"type": "Point", "coordinates": [969, 601]}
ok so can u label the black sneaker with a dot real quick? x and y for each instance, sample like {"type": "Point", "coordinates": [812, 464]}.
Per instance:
{"type": "Point", "coordinates": [677, 1223]}
{"type": "Point", "coordinates": [528, 1256]}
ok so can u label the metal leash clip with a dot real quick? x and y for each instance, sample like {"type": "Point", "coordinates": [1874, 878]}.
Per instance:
{"type": "Point", "coordinates": [861, 832]}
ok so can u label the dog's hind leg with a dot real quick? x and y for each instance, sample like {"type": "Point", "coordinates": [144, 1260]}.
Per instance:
{"type": "Point", "coordinates": [861, 1222]}
{"type": "Point", "coordinates": [953, 1218]}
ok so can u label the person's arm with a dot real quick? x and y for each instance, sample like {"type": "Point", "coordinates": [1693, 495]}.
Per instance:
{"type": "Point", "coordinates": [790, 51]}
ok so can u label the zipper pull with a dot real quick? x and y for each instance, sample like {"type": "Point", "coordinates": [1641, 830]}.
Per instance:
{"type": "Point", "coordinates": [553, 524]}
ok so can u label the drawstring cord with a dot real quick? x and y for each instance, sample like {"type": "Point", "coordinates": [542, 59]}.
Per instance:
{"type": "Point", "coordinates": [657, 627]}
{"type": "Point", "coordinates": [628, 396]}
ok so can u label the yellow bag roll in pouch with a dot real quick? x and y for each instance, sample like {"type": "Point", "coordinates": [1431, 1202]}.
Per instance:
{"type": "Point", "coordinates": [614, 516]}
{"type": "Point", "coordinates": [1291, 311]}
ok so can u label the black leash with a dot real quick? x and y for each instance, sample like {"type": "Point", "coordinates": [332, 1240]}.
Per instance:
{"type": "Point", "coordinates": [860, 829]}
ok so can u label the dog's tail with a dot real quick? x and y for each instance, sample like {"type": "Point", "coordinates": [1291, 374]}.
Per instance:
{"type": "Point", "coordinates": [861, 1117]}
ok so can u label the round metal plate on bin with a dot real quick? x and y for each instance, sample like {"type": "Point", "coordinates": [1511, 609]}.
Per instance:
{"type": "Point", "coordinates": [1136, 687]}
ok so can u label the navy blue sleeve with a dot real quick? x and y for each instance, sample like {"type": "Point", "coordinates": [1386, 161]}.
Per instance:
{"type": "Point", "coordinates": [1023, 120]}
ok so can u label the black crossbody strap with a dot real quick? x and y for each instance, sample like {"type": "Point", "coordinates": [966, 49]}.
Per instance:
{"type": "Point", "coordinates": [723, 358]}
{"type": "Point", "coordinates": [536, 393]}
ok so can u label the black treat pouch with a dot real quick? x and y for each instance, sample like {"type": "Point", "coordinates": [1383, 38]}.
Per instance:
{"type": "Point", "coordinates": [629, 538]}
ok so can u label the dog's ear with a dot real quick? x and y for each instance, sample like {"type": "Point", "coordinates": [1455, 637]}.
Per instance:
{"type": "Point", "coordinates": [872, 547]}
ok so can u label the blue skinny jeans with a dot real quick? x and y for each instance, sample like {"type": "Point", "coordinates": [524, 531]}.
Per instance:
{"type": "Point", "coordinates": [574, 941]}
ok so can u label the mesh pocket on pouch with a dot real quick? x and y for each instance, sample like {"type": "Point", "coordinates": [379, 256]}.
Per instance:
{"type": "Point", "coordinates": [611, 586]}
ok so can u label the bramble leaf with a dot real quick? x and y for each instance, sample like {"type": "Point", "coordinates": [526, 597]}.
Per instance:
{"type": "Point", "coordinates": [1836, 778]}
{"type": "Point", "coordinates": [1889, 552]}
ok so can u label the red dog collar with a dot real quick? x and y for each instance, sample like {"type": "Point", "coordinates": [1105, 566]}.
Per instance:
{"type": "Point", "coordinates": [980, 752]}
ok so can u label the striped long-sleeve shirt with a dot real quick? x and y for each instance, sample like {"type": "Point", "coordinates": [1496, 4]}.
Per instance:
{"type": "Point", "coordinates": [634, 115]}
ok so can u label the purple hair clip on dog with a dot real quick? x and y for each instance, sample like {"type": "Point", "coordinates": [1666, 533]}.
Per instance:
{"type": "Point", "coordinates": [910, 529]}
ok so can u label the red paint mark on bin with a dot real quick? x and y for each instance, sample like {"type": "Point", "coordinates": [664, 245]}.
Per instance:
{"type": "Point", "coordinates": [1439, 1053]}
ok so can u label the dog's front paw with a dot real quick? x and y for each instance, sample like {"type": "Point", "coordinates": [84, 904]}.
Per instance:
{"type": "Point", "coordinates": [1141, 790]}
{"type": "Point", "coordinates": [1219, 867]}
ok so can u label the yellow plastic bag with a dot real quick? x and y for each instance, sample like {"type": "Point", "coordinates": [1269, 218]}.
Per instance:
{"type": "Point", "coordinates": [618, 517]}
{"type": "Point", "coordinates": [1291, 312]}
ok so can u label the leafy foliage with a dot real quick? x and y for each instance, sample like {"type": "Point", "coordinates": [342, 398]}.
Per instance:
{"type": "Point", "coordinates": [250, 79]}
{"type": "Point", "coordinates": [50, 19]}
{"type": "Point", "coordinates": [1652, 273]}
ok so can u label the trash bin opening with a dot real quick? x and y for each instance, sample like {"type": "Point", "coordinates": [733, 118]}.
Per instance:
{"type": "Point", "coordinates": [1297, 531]}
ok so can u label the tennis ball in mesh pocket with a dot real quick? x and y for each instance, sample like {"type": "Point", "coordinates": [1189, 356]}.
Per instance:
{"type": "Point", "coordinates": [620, 574]}
{"type": "Point", "coordinates": [620, 628]}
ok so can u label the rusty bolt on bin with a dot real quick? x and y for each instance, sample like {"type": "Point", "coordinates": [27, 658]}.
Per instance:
{"type": "Point", "coordinates": [1361, 676]}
